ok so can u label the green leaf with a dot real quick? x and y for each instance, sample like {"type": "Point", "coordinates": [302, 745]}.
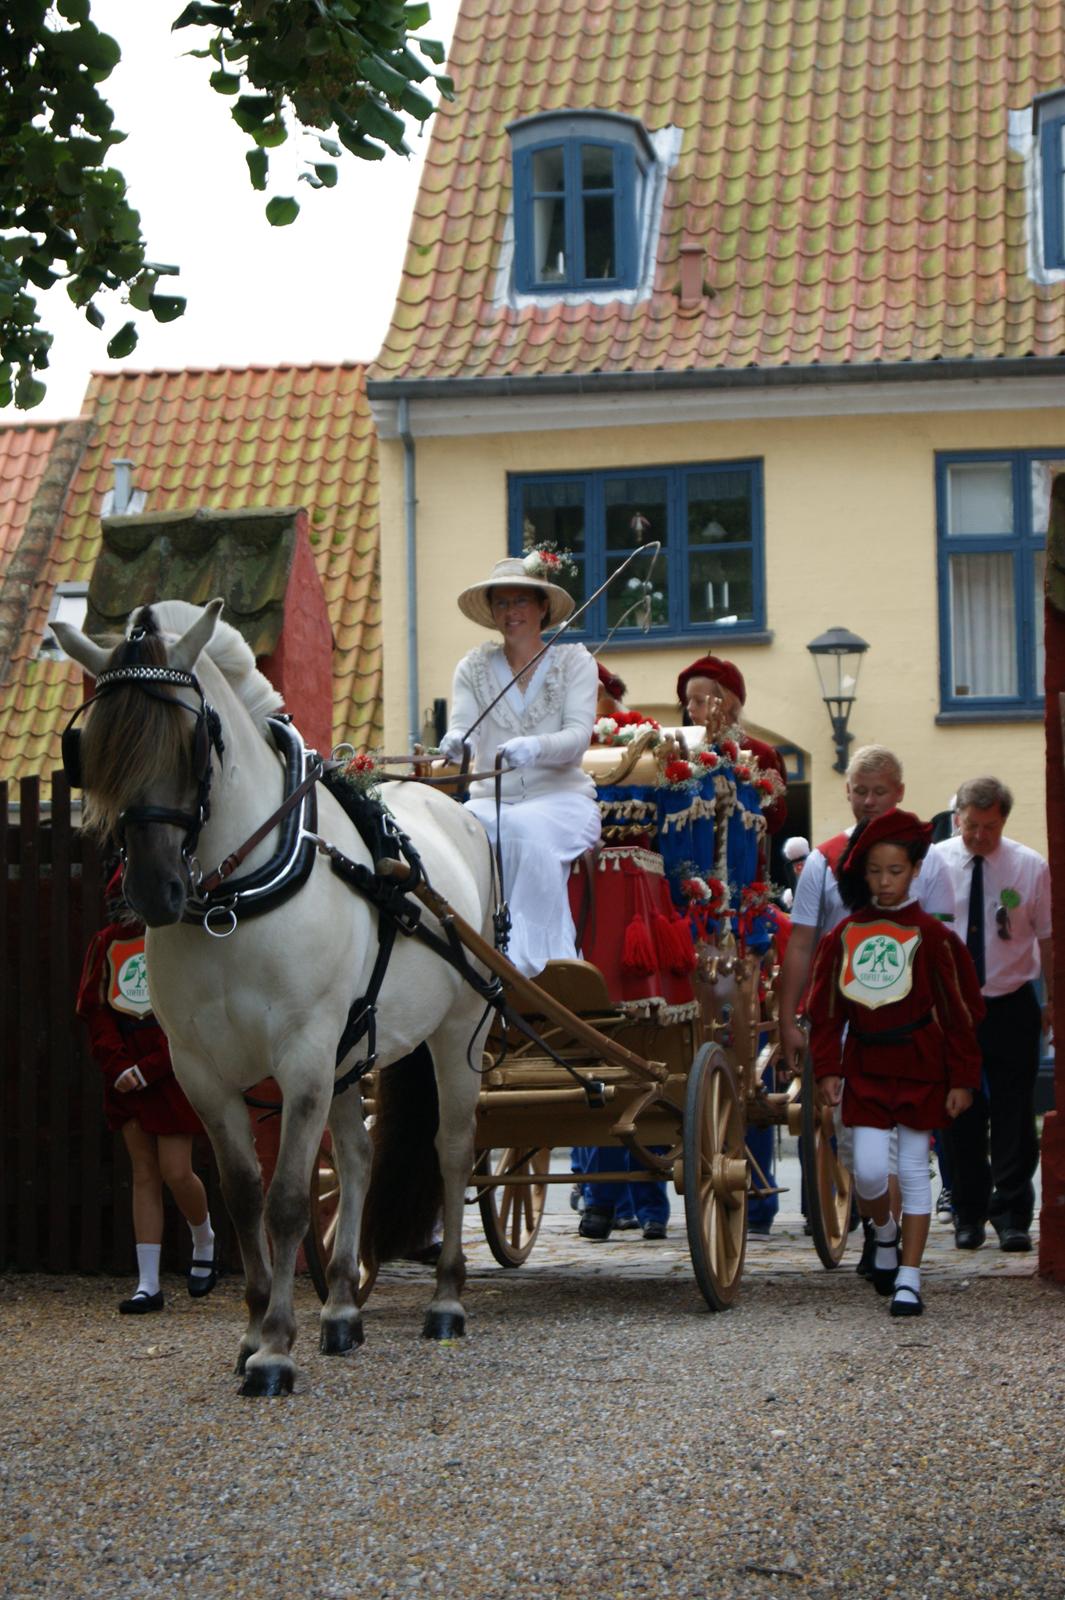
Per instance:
{"type": "Point", "coordinates": [359, 145]}
{"type": "Point", "coordinates": [383, 77]}
{"type": "Point", "coordinates": [73, 10]}
{"type": "Point", "coordinates": [94, 316]}
{"type": "Point", "coordinates": [330, 146]}
{"type": "Point", "coordinates": [123, 343]}
{"type": "Point", "coordinates": [433, 50]}
{"type": "Point", "coordinates": [327, 173]}
{"type": "Point", "coordinates": [29, 392]}
{"type": "Point", "coordinates": [282, 210]}
{"type": "Point", "coordinates": [258, 167]}
{"type": "Point", "coordinates": [226, 82]}
{"type": "Point", "coordinates": [317, 42]}
{"type": "Point", "coordinates": [141, 290]}
{"type": "Point", "coordinates": [416, 16]}
{"type": "Point", "coordinates": [415, 103]}
{"type": "Point", "coordinates": [380, 123]}
{"type": "Point", "coordinates": [270, 135]}
{"type": "Point", "coordinates": [165, 307]}
{"type": "Point", "coordinates": [197, 16]}
{"type": "Point", "coordinates": [252, 110]}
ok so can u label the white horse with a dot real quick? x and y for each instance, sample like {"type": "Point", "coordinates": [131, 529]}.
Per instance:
{"type": "Point", "coordinates": [273, 998]}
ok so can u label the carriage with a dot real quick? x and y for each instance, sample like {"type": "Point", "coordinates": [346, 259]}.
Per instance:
{"type": "Point", "coordinates": [661, 1042]}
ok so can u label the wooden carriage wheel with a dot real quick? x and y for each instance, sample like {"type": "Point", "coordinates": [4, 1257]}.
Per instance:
{"type": "Point", "coordinates": [826, 1180]}
{"type": "Point", "coordinates": [512, 1213]}
{"type": "Point", "coordinates": [715, 1177]}
{"type": "Point", "coordinates": [318, 1243]}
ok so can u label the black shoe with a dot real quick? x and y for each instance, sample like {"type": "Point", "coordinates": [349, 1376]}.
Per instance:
{"type": "Point", "coordinates": [654, 1230]}
{"type": "Point", "coordinates": [864, 1269]}
{"type": "Point", "coordinates": [758, 1230]}
{"type": "Point", "coordinates": [969, 1235]}
{"type": "Point", "coordinates": [141, 1302]}
{"type": "Point", "coordinates": [595, 1224]}
{"type": "Point", "coordinates": [201, 1283]}
{"type": "Point", "coordinates": [1016, 1240]}
{"type": "Point", "coordinates": [624, 1224]}
{"type": "Point", "coordinates": [883, 1278]}
{"type": "Point", "coordinates": [906, 1302]}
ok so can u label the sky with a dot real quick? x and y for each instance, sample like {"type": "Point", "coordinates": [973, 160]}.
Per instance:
{"type": "Point", "coordinates": [319, 290]}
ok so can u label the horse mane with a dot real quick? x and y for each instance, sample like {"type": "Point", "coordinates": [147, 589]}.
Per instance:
{"type": "Point", "coordinates": [231, 654]}
{"type": "Point", "coordinates": [138, 739]}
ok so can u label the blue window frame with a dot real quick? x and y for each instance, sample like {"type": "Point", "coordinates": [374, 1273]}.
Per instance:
{"type": "Point", "coordinates": [1052, 162]}
{"type": "Point", "coordinates": [992, 509]}
{"type": "Point", "coordinates": [709, 578]}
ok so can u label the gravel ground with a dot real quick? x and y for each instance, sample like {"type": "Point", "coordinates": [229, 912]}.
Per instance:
{"type": "Point", "coordinates": [599, 1433]}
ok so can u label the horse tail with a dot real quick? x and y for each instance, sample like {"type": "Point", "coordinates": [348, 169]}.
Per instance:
{"type": "Point", "coordinates": [406, 1188]}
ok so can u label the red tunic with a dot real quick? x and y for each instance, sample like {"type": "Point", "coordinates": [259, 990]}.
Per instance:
{"type": "Point", "coordinates": [119, 1041]}
{"type": "Point", "coordinates": [905, 1081]}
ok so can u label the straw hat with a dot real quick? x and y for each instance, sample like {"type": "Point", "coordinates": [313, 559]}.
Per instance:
{"type": "Point", "coordinates": [511, 573]}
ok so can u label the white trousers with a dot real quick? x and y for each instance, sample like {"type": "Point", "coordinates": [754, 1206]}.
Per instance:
{"type": "Point", "coordinates": [541, 837]}
{"type": "Point", "coordinates": [872, 1165]}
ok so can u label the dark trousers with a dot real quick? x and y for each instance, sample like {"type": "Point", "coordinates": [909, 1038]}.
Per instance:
{"type": "Point", "coordinates": [993, 1147]}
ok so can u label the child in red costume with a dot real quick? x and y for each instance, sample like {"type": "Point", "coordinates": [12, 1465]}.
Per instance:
{"type": "Point", "coordinates": [144, 1099]}
{"type": "Point", "coordinates": [905, 990]}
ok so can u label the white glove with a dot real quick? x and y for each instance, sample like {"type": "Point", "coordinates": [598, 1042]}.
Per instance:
{"type": "Point", "coordinates": [520, 752]}
{"type": "Point", "coordinates": [451, 747]}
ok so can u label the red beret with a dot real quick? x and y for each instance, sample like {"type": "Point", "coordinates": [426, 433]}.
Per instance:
{"type": "Point", "coordinates": [722, 672]}
{"type": "Point", "coordinates": [611, 682]}
{"type": "Point", "coordinates": [894, 827]}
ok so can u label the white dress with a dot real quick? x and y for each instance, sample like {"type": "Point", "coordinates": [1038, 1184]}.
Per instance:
{"type": "Point", "coordinates": [549, 815]}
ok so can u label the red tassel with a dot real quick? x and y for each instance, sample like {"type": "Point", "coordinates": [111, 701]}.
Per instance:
{"type": "Point", "coordinates": [637, 952]}
{"type": "Point", "coordinates": [683, 946]}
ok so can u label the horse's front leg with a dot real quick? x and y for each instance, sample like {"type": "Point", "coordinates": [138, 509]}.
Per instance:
{"type": "Point", "coordinates": [457, 1090]}
{"type": "Point", "coordinates": [226, 1121]}
{"type": "Point", "coordinates": [341, 1324]}
{"type": "Point", "coordinates": [305, 1102]}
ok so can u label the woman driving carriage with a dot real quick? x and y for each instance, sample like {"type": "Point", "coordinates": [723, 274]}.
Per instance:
{"type": "Point", "coordinates": [541, 726]}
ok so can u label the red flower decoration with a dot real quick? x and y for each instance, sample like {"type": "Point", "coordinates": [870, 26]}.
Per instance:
{"type": "Point", "coordinates": [742, 772]}
{"type": "Point", "coordinates": [765, 784]}
{"type": "Point", "coordinates": [709, 758]}
{"type": "Point", "coordinates": [678, 771]}
{"type": "Point", "coordinates": [363, 763]}
{"type": "Point", "coordinates": [730, 748]}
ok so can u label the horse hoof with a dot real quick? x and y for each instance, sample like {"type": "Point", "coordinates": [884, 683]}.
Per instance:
{"type": "Point", "coordinates": [243, 1355]}
{"type": "Point", "coordinates": [267, 1380]}
{"type": "Point", "coordinates": [444, 1325]}
{"type": "Point", "coordinates": [336, 1338]}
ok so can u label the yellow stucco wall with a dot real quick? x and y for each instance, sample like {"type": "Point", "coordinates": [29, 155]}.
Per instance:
{"type": "Point", "coordinates": [850, 540]}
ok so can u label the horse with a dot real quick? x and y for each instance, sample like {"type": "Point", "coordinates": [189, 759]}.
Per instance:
{"type": "Point", "coordinates": [272, 998]}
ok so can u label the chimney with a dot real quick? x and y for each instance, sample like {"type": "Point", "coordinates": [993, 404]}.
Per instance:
{"type": "Point", "coordinates": [692, 267]}
{"type": "Point", "coordinates": [123, 490]}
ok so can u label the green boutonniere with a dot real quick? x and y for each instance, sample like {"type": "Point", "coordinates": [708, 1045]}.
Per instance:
{"type": "Point", "coordinates": [1010, 899]}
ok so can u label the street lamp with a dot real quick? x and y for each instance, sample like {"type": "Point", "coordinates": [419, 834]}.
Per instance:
{"type": "Point", "coordinates": [837, 656]}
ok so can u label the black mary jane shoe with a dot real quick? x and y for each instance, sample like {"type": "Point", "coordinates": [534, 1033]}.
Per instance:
{"type": "Point", "coordinates": [883, 1278]}
{"type": "Point", "coordinates": [906, 1302]}
{"type": "Point", "coordinates": [201, 1283]}
{"type": "Point", "coordinates": [141, 1302]}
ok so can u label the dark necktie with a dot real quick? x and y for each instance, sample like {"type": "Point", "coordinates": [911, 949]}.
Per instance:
{"type": "Point", "coordinates": [974, 928]}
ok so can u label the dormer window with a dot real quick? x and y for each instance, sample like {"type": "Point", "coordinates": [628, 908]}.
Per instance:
{"type": "Point", "coordinates": [1050, 132]}
{"type": "Point", "coordinates": [580, 181]}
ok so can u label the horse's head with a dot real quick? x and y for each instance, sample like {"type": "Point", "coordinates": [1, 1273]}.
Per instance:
{"type": "Point", "coordinates": [145, 755]}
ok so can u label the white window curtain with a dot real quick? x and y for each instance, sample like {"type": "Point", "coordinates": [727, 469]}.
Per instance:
{"type": "Point", "coordinates": [983, 623]}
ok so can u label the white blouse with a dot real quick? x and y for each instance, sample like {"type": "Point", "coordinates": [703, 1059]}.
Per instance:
{"type": "Point", "coordinates": [557, 707]}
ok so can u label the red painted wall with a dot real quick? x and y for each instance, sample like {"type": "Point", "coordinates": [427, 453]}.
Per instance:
{"type": "Point", "coordinates": [301, 667]}
{"type": "Point", "coordinates": [1052, 1215]}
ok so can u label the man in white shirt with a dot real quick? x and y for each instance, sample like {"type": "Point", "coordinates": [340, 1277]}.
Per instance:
{"type": "Point", "coordinates": [1002, 911]}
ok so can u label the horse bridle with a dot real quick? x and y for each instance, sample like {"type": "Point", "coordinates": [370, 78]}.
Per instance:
{"type": "Point", "coordinates": [207, 736]}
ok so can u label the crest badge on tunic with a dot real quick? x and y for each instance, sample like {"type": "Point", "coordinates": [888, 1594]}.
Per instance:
{"type": "Point", "coordinates": [127, 990]}
{"type": "Point", "coordinates": [878, 962]}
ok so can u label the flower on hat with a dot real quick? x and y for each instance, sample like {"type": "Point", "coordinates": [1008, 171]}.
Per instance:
{"type": "Point", "coordinates": [546, 560]}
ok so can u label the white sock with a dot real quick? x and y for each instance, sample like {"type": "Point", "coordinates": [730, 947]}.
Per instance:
{"type": "Point", "coordinates": [148, 1267]}
{"type": "Point", "coordinates": [886, 1233]}
{"type": "Point", "coordinates": [202, 1245]}
{"type": "Point", "coordinates": [909, 1278]}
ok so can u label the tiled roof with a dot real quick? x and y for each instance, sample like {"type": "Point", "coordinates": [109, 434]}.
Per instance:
{"type": "Point", "coordinates": [224, 438]}
{"type": "Point", "coordinates": [845, 163]}
{"type": "Point", "coordinates": [24, 452]}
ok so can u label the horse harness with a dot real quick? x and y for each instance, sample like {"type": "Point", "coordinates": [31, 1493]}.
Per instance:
{"type": "Point", "coordinates": [216, 897]}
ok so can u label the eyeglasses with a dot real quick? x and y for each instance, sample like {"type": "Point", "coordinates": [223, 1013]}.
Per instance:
{"type": "Point", "coordinates": [521, 604]}
{"type": "Point", "coordinates": [1002, 923]}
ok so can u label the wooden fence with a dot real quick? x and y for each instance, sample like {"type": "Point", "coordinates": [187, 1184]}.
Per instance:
{"type": "Point", "coordinates": [64, 1178]}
